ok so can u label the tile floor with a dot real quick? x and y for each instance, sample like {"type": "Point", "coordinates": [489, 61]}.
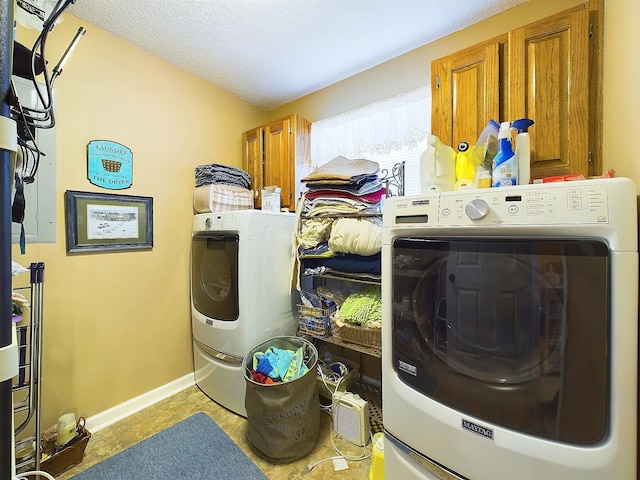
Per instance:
{"type": "Point", "coordinates": [143, 424]}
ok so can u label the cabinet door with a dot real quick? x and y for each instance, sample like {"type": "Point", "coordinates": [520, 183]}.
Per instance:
{"type": "Point", "coordinates": [465, 88]}
{"type": "Point", "coordinates": [252, 161]}
{"type": "Point", "coordinates": [544, 71]}
{"type": "Point", "coordinates": [549, 83]}
{"type": "Point", "coordinates": [278, 159]}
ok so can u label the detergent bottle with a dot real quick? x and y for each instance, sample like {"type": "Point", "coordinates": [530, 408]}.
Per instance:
{"type": "Point", "coordinates": [523, 149]}
{"type": "Point", "coordinates": [485, 149]}
{"type": "Point", "coordinates": [437, 167]}
{"type": "Point", "coordinates": [486, 146]}
{"type": "Point", "coordinates": [505, 165]}
{"type": "Point", "coordinates": [377, 458]}
{"type": "Point", "coordinates": [465, 169]}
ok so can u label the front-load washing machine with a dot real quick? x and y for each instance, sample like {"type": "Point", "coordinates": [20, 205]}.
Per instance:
{"type": "Point", "coordinates": [241, 294]}
{"type": "Point", "coordinates": [510, 332]}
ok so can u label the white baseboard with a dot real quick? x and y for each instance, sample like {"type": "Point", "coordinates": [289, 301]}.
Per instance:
{"type": "Point", "coordinates": [106, 418]}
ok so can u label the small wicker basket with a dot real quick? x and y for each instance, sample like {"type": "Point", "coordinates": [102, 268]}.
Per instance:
{"type": "Point", "coordinates": [69, 456]}
{"type": "Point", "coordinates": [369, 337]}
{"type": "Point", "coordinates": [333, 326]}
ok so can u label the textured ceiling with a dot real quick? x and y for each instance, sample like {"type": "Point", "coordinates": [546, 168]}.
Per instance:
{"type": "Point", "coordinates": [270, 52]}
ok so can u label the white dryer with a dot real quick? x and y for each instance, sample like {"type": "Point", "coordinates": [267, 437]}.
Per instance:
{"type": "Point", "coordinates": [240, 294]}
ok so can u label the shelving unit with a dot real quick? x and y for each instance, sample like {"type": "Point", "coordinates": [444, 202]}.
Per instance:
{"type": "Point", "coordinates": [367, 350]}
{"type": "Point", "coordinates": [368, 391]}
{"type": "Point", "coordinates": [373, 351]}
{"type": "Point", "coordinates": [26, 386]}
{"type": "Point", "coordinates": [394, 183]}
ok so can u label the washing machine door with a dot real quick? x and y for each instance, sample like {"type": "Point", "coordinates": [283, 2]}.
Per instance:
{"type": "Point", "coordinates": [214, 275]}
{"type": "Point", "coordinates": [507, 330]}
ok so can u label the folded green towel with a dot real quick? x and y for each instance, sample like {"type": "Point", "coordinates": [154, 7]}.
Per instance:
{"type": "Point", "coordinates": [363, 307]}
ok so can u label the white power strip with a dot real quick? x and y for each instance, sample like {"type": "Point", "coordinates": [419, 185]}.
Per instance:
{"type": "Point", "coordinates": [351, 417]}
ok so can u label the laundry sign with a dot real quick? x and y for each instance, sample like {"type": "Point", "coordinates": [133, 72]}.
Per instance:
{"type": "Point", "coordinates": [109, 164]}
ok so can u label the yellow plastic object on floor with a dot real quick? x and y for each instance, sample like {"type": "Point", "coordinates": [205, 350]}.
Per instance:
{"type": "Point", "coordinates": [377, 458]}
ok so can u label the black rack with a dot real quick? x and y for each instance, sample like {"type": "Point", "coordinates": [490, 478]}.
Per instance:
{"type": "Point", "coordinates": [394, 180]}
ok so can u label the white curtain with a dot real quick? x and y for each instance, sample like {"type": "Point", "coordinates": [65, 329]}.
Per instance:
{"type": "Point", "coordinates": [386, 131]}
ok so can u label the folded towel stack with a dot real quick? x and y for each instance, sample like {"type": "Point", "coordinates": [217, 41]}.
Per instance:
{"type": "Point", "coordinates": [214, 173]}
{"type": "Point", "coordinates": [327, 243]}
{"type": "Point", "coordinates": [221, 188]}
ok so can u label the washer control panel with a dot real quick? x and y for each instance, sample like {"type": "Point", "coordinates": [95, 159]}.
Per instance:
{"type": "Point", "coordinates": [579, 202]}
{"type": "Point", "coordinates": [539, 205]}
{"type": "Point", "coordinates": [206, 222]}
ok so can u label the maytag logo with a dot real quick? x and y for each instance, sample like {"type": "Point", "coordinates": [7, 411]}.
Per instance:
{"type": "Point", "coordinates": [479, 429]}
{"type": "Point", "coordinates": [407, 368]}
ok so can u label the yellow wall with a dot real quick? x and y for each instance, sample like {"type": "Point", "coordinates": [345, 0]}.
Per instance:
{"type": "Point", "coordinates": [621, 93]}
{"type": "Point", "coordinates": [412, 70]}
{"type": "Point", "coordinates": [117, 324]}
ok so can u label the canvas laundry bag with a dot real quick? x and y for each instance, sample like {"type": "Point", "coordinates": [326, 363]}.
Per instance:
{"type": "Point", "coordinates": [283, 419]}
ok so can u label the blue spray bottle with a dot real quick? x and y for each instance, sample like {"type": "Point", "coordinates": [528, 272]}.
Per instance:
{"type": "Point", "coordinates": [505, 164]}
{"type": "Point", "coordinates": [523, 149]}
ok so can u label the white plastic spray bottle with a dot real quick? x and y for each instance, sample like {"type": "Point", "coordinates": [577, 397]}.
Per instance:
{"type": "Point", "coordinates": [523, 149]}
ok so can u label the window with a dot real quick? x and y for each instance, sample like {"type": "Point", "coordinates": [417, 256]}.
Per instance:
{"type": "Point", "coordinates": [390, 131]}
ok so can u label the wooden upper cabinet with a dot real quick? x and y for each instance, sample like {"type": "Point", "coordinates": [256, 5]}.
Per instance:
{"type": "Point", "coordinates": [252, 161]}
{"type": "Point", "coordinates": [549, 71]}
{"type": "Point", "coordinates": [465, 93]}
{"type": "Point", "coordinates": [279, 164]}
{"type": "Point", "coordinates": [549, 83]}
{"type": "Point", "coordinates": [271, 154]}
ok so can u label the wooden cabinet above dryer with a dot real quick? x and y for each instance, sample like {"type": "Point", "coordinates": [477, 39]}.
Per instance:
{"type": "Point", "coordinates": [271, 154]}
{"type": "Point", "coordinates": [549, 71]}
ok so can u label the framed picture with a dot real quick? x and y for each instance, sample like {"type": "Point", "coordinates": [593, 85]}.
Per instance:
{"type": "Point", "coordinates": [98, 222]}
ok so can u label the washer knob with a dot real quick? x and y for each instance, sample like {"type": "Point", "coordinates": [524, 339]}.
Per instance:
{"type": "Point", "coordinates": [208, 223]}
{"type": "Point", "coordinates": [476, 209]}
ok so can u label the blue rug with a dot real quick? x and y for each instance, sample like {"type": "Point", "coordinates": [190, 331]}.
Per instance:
{"type": "Point", "coordinates": [195, 449]}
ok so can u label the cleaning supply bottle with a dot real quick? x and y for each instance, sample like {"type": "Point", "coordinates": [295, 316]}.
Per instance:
{"type": "Point", "coordinates": [505, 165]}
{"type": "Point", "coordinates": [465, 169]}
{"type": "Point", "coordinates": [482, 178]}
{"type": "Point", "coordinates": [523, 149]}
{"type": "Point", "coordinates": [437, 167]}
{"type": "Point", "coordinates": [487, 146]}
{"type": "Point", "coordinates": [377, 457]}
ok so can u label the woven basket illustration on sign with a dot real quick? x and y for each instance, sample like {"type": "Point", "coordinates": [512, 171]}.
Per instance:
{"type": "Point", "coordinates": [111, 165]}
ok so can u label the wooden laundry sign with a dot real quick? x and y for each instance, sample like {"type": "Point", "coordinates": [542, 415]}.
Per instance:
{"type": "Point", "coordinates": [109, 164]}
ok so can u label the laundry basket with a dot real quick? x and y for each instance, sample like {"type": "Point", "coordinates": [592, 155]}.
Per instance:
{"type": "Point", "coordinates": [283, 419]}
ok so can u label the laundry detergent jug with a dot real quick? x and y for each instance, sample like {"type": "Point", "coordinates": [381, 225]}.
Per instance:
{"type": "Point", "coordinates": [437, 167]}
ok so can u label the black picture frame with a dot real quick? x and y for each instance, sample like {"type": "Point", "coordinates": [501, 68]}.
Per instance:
{"type": "Point", "coordinates": [103, 222]}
